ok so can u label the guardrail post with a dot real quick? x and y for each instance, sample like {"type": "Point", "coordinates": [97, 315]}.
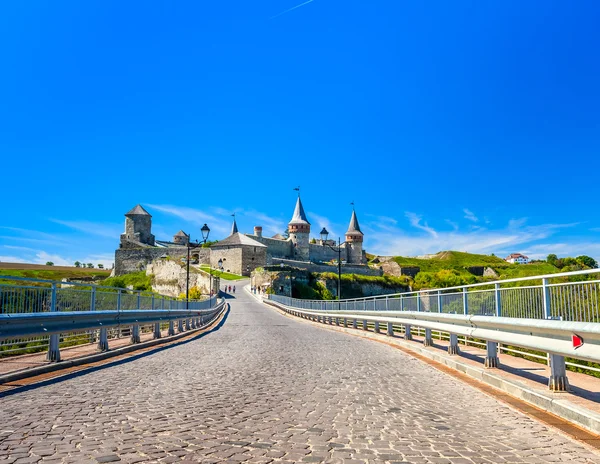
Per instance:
{"type": "Point", "coordinates": [491, 358]}
{"type": "Point", "coordinates": [345, 322]}
{"type": "Point", "coordinates": [187, 324]}
{"type": "Point", "coordinates": [558, 380]}
{"type": "Point", "coordinates": [418, 302]}
{"type": "Point", "coordinates": [453, 347]}
{"type": "Point", "coordinates": [407, 332]}
{"type": "Point", "coordinates": [171, 322]}
{"type": "Point", "coordinates": [498, 301]}
{"type": "Point", "coordinates": [103, 339]}
{"type": "Point", "coordinates": [401, 303]}
{"type": "Point", "coordinates": [364, 324]}
{"type": "Point", "coordinates": [354, 323]}
{"type": "Point", "coordinates": [135, 333]}
{"type": "Point", "coordinates": [547, 303]}
{"type": "Point", "coordinates": [377, 327]}
{"type": "Point", "coordinates": [54, 342]}
{"type": "Point", "coordinates": [465, 301]}
{"type": "Point", "coordinates": [428, 338]}
{"type": "Point", "coordinates": [156, 333]}
{"type": "Point", "coordinates": [93, 299]}
{"type": "Point", "coordinates": [387, 303]}
{"type": "Point", "coordinates": [180, 325]}
{"type": "Point", "coordinates": [439, 301]}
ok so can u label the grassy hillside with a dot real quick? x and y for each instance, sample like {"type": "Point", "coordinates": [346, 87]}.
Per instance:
{"type": "Point", "coordinates": [39, 271]}
{"type": "Point", "coordinates": [450, 268]}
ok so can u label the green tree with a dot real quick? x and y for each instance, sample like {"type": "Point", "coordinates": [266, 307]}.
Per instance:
{"type": "Point", "coordinates": [587, 261]}
{"type": "Point", "coordinates": [77, 264]}
{"type": "Point", "coordinates": [49, 263]}
{"type": "Point", "coordinates": [100, 266]}
{"type": "Point", "coordinates": [90, 265]}
{"type": "Point", "coordinates": [551, 259]}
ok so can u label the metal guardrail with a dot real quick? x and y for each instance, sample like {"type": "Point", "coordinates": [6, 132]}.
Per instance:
{"type": "Point", "coordinates": [43, 313]}
{"type": "Point", "coordinates": [568, 301]}
{"type": "Point", "coordinates": [545, 317]}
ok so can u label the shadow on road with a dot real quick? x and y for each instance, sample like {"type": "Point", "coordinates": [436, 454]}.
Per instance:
{"type": "Point", "coordinates": [84, 371]}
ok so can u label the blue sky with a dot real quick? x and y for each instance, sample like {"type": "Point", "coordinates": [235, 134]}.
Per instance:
{"type": "Point", "coordinates": [464, 125]}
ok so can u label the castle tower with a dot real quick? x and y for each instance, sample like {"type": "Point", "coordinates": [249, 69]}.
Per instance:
{"type": "Point", "coordinates": [354, 240]}
{"type": "Point", "coordinates": [138, 226]}
{"type": "Point", "coordinates": [299, 230]}
{"type": "Point", "coordinates": [181, 238]}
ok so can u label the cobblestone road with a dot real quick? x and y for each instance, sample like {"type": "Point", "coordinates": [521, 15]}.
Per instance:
{"type": "Point", "coordinates": [268, 388]}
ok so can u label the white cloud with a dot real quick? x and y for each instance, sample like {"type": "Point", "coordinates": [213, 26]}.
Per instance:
{"type": "Point", "coordinates": [515, 236]}
{"type": "Point", "coordinates": [43, 257]}
{"type": "Point", "coordinates": [470, 215]}
{"type": "Point", "coordinates": [271, 226]}
{"type": "Point", "coordinates": [92, 228]}
{"type": "Point", "coordinates": [415, 221]}
{"type": "Point", "coordinates": [11, 259]}
{"type": "Point", "coordinates": [197, 217]}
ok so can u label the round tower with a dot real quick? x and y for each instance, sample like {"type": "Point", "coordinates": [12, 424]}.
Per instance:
{"type": "Point", "coordinates": [354, 241]}
{"type": "Point", "coordinates": [138, 226]}
{"type": "Point", "coordinates": [299, 230]}
{"type": "Point", "coordinates": [181, 238]}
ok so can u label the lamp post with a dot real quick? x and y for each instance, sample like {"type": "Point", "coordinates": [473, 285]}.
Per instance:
{"type": "Point", "coordinates": [324, 233]}
{"type": "Point", "coordinates": [205, 231]}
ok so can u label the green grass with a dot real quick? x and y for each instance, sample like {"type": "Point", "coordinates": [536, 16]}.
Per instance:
{"type": "Point", "coordinates": [51, 274]}
{"type": "Point", "coordinates": [139, 281]}
{"type": "Point", "coordinates": [449, 268]}
{"type": "Point", "coordinates": [221, 275]}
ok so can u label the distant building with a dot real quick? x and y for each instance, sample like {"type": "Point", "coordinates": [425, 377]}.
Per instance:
{"type": "Point", "coordinates": [517, 258]}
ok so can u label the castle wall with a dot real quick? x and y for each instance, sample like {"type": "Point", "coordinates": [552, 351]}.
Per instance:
{"type": "Point", "coordinates": [137, 259]}
{"type": "Point", "coordinates": [346, 268]}
{"type": "Point", "coordinates": [318, 252]}
{"type": "Point", "coordinates": [239, 258]}
{"type": "Point", "coordinates": [276, 248]}
{"type": "Point", "coordinates": [170, 278]}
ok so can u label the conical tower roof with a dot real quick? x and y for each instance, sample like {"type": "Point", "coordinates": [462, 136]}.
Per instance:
{"type": "Point", "coordinates": [299, 216]}
{"type": "Point", "coordinates": [234, 229]}
{"type": "Point", "coordinates": [138, 210]}
{"type": "Point", "coordinates": [181, 233]}
{"type": "Point", "coordinates": [354, 227]}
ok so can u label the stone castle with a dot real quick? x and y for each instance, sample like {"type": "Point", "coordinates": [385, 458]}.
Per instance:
{"type": "Point", "coordinates": [241, 253]}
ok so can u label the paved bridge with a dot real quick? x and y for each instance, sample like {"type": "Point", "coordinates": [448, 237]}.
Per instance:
{"type": "Point", "coordinates": [266, 387]}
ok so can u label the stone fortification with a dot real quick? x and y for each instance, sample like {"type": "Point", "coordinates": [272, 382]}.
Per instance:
{"type": "Point", "coordinates": [169, 278]}
{"type": "Point", "coordinates": [137, 259]}
{"type": "Point", "coordinates": [314, 267]}
{"type": "Point", "coordinates": [239, 253]}
{"type": "Point", "coordinates": [275, 247]}
{"type": "Point", "coordinates": [321, 253]}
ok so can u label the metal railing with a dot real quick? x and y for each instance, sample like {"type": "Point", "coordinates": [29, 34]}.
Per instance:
{"type": "Point", "coordinates": [47, 315]}
{"type": "Point", "coordinates": [542, 315]}
{"type": "Point", "coordinates": [563, 300]}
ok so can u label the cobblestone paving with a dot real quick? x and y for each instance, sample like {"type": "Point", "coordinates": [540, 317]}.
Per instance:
{"type": "Point", "coordinates": [267, 388]}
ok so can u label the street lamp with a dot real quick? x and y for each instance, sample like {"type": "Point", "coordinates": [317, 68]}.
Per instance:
{"type": "Point", "coordinates": [338, 250]}
{"type": "Point", "coordinates": [205, 231]}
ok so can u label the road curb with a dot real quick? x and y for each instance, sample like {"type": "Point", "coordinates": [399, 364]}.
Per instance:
{"type": "Point", "coordinates": [582, 417]}
{"type": "Point", "coordinates": [96, 357]}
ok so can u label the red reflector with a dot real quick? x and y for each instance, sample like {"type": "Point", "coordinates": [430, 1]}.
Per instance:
{"type": "Point", "coordinates": [577, 341]}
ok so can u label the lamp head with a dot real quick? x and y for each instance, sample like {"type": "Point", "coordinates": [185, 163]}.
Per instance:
{"type": "Point", "coordinates": [205, 231]}
{"type": "Point", "coordinates": [324, 234]}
